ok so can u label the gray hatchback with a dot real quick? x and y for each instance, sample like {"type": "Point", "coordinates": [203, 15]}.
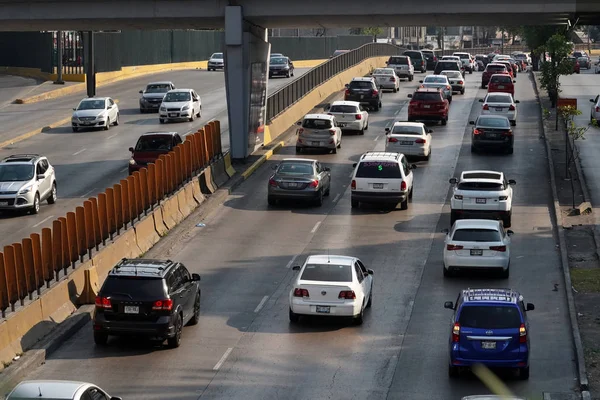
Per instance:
{"type": "Point", "coordinates": [299, 179]}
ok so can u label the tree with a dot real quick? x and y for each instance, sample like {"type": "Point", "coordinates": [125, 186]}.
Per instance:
{"type": "Point", "coordinates": [373, 31]}
{"type": "Point", "coordinates": [559, 49]}
{"type": "Point", "coordinates": [512, 32]}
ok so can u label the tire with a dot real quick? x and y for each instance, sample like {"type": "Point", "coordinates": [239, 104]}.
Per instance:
{"type": "Point", "coordinates": [319, 200]}
{"type": "Point", "coordinates": [447, 273]}
{"type": "Point", "coordinates": [287, 74]}
{"type": "Point", "coordinates": [513, 123]}
{"type": "Point", "coordinates": [75, 129]}
{"type": "Point", "coordinates": [294, 318]}
{"type": "Point", "coordinates": [117, 120]}
{"type": "Point", "coordinates": [462, 91]}
{"type": "Point", "coordinates": [358, 319]}
{"type": "Point", "coordinates": [452, 371]}
{"type": "Point", "coordinates": [334, 150]}
{"type": "Point", "coordinates": [370, 302]}
{"type": "Point", "coordinates": [328, 191]}
{"type": "Point", "coordinates": [470, 71]}
{"type": "Point", "coordinates": [366, 127]}
{"type": "Point", "coordinates": [192, 117]}
{"type": "Point", "coordinates": [445, 121]}
{"type": "Point", "coordinates": [354, 203]}
{"type": "Point", "coordinates": [175, 341]}
{"type": "Point", "coordinates": [507, 221]}
{"type": "Point", "coordinates": [473, 149]}
{"type": "Point", "coordinates": [395, 90]}
{"type": "Point", "coordinates": [35, 209]}
{"type": "Point", "coordinates": [53, 194]}
{"type": "Point", "coordinates": [428, 156]}
{"type": "Point", "coordinates": [196, 317]}
{"type": "Point", "coordinates": [298, 150]}
{"type": "Point", "coordinates": [410, 194]}
{"type": "Point", "coordinates": [404, 204]}
{"type": "Point", "coordinates": [100, 338]}
{"type": "Point", "coordinates": [410, 78]}
{"type": "Point", "coordinates": [272, 201]}
{"type": "Point", "coordinates": [161, 120]}
{"type": "Point", "coordinates": [510, 150]}
{"type": "Point", "coordinates": [292, 72]}
{"type": "Point", "coordinates": [376, 107]}
{"type": "Point", "coordinates": [505, 274]}
{"type": "Point", "coordinates": [453, 218]}
{"type": "Point", "coordinates": [450, 100]}
{"type": "Point", "coordinates": [107, 127]}
{"type": "Point", "coordinates": [362, 131]}
{"type": "Point", "coordinates": [524, 373]}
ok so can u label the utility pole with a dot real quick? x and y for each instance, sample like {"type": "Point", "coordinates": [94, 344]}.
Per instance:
{"type": "Point", "coordinates": [59, 59]}
{"type": "Point", "coordinates": [90, 68]}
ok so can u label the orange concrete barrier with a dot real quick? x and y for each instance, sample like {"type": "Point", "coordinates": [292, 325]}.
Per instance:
{"type": "Point", "coordinates": [36, 242]}
{"type": "Point", "coordinates": [20, 268]}
{"type": "Point", "coordinates": [152, 190]}
{"type": "Point", "coordinates": [170, 212]}
{"type": "Point", "coordinates": [3, 288]}
{"type": "Point", "coordinates": [133, 200]}
{"type": "Point", "coordinates": [11, 275]}
{"type": "Point", "coordinates": [96, 214]}
{"type": "Point", "coordinates": [137, 187]}
{"type": "Point", "coordinates": [66, 247]}
{"type": "Point", "coordinates": [81, 232]}
{"type": "Point", "coordinates": [47, 269]}
{"type": "Point", "coordinates": [207, 185]}
{"type": "Point", "coordinates": [160, 179]}
{"type": "Point", "coordinates": [185, 201]}
{"type": "Point", "coordinates": [103, 216]}
{"type": "Point", "coordinates": [127, 218]}
{"type": "Point", "coordinates": [110, 211]}
{"type": "Point", "coordinates": [58, 261]}
{"type": "Point", "coordinates": [159, 224]}
{"type": "Point", "coordinates": [72, 233]}
{"type": "Point", "coordinates": [144, 190]}
{"type": "Point", "coordinates": [90, 231]}
{"type": "Point", "coordinates": [197, 190]}
{"type": "Point", "coordinates": [118, 207]}
{"type": "Point", "coordinates": [145, 232]}
{"type": "Point", "coordinates": [28, 266]}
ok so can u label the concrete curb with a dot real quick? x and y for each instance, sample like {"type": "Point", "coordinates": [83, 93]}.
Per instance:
{"type": "Point", "coordinates": [577, 342]}
{"type": "Point", "coordinates": [250, 170]}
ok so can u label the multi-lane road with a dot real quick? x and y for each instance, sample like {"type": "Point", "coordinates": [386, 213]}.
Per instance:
{"type": "Point", "coordinates": [88, 162]}
{"type": "Point", "coordinates": [245, 347]}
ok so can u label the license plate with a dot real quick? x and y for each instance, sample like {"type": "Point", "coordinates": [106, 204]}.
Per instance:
{"type": "Point", "coordinates": [405, 142]}
{"type": "Point", "coordinates": [3, 203]}
{"type": "Point", "coordinates": [480, 201]}
{"type": "Point", "coordinates": [378, 186]}
{"type": "Point", "coordinates": [476, 252]}
{"type": "Point", "coordinates": [492, 135]}
{"type": "Point", "coordinates": [426, 106]}
{"type": "Point", "coordinates": [172, 114]}
{"type": "Point", "coordinates": [132, 310]}
{"type": "Point", "coordinates": [342, 125]}
{"type": "Point", "coordinates": [87, 123]}
{"type": "Point", "coordinates": [315, 143]}
{"type": "Point", "coordinates": [500, 87]}
{"type": "Point", "coordinates": [499, 109]}
{"type": "Point", "coordinates": [488, 345]}
{"type": "Point", "coordinates": [323, 309]}
{"type": "Point", "coordinates": [292, 185]}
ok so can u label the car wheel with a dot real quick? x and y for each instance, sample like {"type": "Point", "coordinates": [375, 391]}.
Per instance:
{"type": "Point", "coordinates": [328, 191]}
{"type": "Point", "coordinates": [161, 120]}
{"type": "Point", "coordinates": [35, 209]}
{"type": "Point", "coordinates": [453, 371]}
{"type": "Point", "coordinates": [470, 71]}
{"type": "Point", "coordinates": [271, 200]}
{"type": "Point", "coordinates": [507, 221]}
{"type": "Point", "coordinates": [376, 107]}
{"type": "Point", "coordinates": [117, 120]}
{"type": "Point", "coordinates": [362, 131]}
{"type": "Point", "coordinates": [510, 150]}
{"type": "Point", "coordinates": [404, 204]}
{"type": "Point", "coordinates": [447, 272]}
{"type": "Point", "coordinates": [410, 194]}
{"type": "Point", "coordinates": [504, 274]}
{"type": "Point", "coordinates": [319, 200]}
{"type": "Point", "coordinates": [462, 91]}
{"type": "Point", "coordinates": [100, 338]}
{"type": "Point", "coordinates": [445, 121]}
{"type": "Point", "coordinates": [428, 157]}
{"type": "Point", "coordinates": [107, 127]}
{"type": "Point", "coordinates": [513, 123]}
{"type": "Point", "coordinates": [367, 126]}
{"type": "Point", "coordinates": [75, 129]}
{"type": "Point", "coordinates": [410, 78]}
{"type": "Point", "coordinates": [294, 317]}
{"type": "Point", "coordinates": [53, 194]}
{"type": "Point", "coordinates": [358, 319]}
{"type": "Point", "coordinates": [175, 341]}
{"type": "Point", "coordinates": [450, 100]}
{"type": "Point", "coordinates": [354, 203]}
{"type": "Point", "coordinates": [298, 149]}
{"type": "Point", "coordinates": [334, 150]}
{"type": "Point", "coordinates": [395, 90]}
{"type": "Point", "coordinates": [453, 217]}
{"type": "Point", "coordinates": [196, 317]}
{"type": "Point", "coordinates": [192, 117]}
{"type": "Point", "coordinates": [524, 373]}
{"type": "Point", "coordinates": [370, 302]}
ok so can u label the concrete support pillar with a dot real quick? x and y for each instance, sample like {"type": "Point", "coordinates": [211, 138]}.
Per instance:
{"type": "Point", "coordinates": [246, 77]}
{"type": "Point", "coordinates": [90, 67]}
{"type": "Point", "coordinates": [59, 59]}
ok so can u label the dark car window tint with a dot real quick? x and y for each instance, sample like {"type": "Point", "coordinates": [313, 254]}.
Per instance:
{"type": "Point", "coordinates": [16, 172]}
{"type": "Point", "coordinates": [451, 65]}
{"type": "Point", "coordinates": [137, 287]}
{"type": "Point", "coordinates": [498, 99]}
{"type": "Point", "coordinates": [435, 79]}
{"type": "Point", "coordinates": [476, 235]}
{"type": "Point", "coordinates": [343, 109]}
{"type": "Point", "coordinates": [154, 143]}
{"type": "Point", "coordinates": [501, 79]}
{"type": "Point", "coordinates": [327, 272]}
{"type": "Point", "coordinates": [408, 130]}
{"type": "Point", "coordinates": [278, 60]}
{"type": "Point", "coordinates": [361, 85]}
{"type": "Point", "coordinates": [413, 54]}
{"type": "Point", "coordinates": [480, 185]}
{"type": "Point", "coordinates": [316, 124]}
{"type": "Point", "coordinates": [424, 96]}
{"type": "Point", "coordinates": [295, 168]}
{"type": "Point", "coordinates": [158, 88]}
{"type": "Point", "coordinates": [481, 175]}
{"type": "Point", "coordinates": [494, 68]}
{"type": "Point", "coordinates": [398, 60]}
{"type": "Point", "coordinates": [490, 317]}
{"type": "Point", "coordinates": [493, 122]}
{"type": "Point", "coordinates": [374, 169]}
{"type": "Point", "coordinates": [174, 97]}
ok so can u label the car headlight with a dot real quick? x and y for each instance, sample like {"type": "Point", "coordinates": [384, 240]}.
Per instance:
{"type": "Point", "coordinates": [26, 189]}
{"type": "Point", "coordinates": [132, 162]}
{"type": "Point", "coordinates": [185, 108]}
{"type": "Point", "coordinates": [163, 108]}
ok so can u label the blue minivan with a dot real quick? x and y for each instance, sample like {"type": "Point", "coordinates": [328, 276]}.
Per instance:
{"type": "Point", "coordinates": [489, 327]}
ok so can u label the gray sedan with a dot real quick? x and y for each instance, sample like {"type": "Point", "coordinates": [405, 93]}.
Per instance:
{"type": "Point", "coordinates": [299, 179]}
{"type": "Point", "coordinates": [387, 79]}
{"type": "Point", "coordinates": [438, 82]}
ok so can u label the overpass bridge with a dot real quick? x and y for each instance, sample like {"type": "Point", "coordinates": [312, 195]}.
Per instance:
{"type": "Point", "coordinates": [246, 45]}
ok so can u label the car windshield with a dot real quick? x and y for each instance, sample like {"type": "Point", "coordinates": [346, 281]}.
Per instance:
{"type": "Point", "coordinates": [424, 96]}
{"type": "Point", "coordinates": [316, 123]}
{"type": "Point", "coordinates": [218, 56]}
{"type": "Point", "coordinates": [452, 74]}
{"type": "Point", "coordinates": [476, 235]}
{"type": "Point", "coordinates": [493, 122]}
{"type": "Point", "coordinates": [16, 172]}
{"type": "Point", "coordinates": [435, 79]}
{"type": "Point", "coordinates": [175, 97]}
{"type": "Point", "coordinates": [154, 143]}
{"type": "Point", "coordinates": [278, 60]}
{"type": "Point", "coordinates": [407, 130]}
{"type": "Point", "coordinates": [494, 98]}
{"type": "Point", "coordinates": [398, 60]}
{"type": "Point", "coordinates": [361, 85]}
{"type": "Point", "coordinates": [158, 88]}
{"type": "Point", "coordinates": [137, 287]}
{"type": "Point", "coordinates": [343, 109]}
{"type": "Point", "coordinates": [413, 54]}
{"type": "Point", "coordinates": [377, 169]}
{"type": "Point", "coordinates": [480, 185]}
{"type": "Point", "coordinates": [295, 168]}
{"type": "Point", "coordinates": [327, 273]}
{"type": "Point", "coordinates": [383, 71]}
{"type": "Point", "coordinates": [91, 105]}
{"type": "Point", "coordinates": [490, 317]}
{"type": "Point", "coordinates": [501, 79]}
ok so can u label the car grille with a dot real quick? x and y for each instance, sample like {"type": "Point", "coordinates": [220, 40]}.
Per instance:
{"type": "Point", "coordinates": [154, 100]}
{"type": "Point", "coordinates": [5, 193]}
{"type": "Point", "coordinates": [173, 109]}
{"type": "Point", "coordinates": [9, 201]}
{"type": "Point", "coordinates": [87, 118]}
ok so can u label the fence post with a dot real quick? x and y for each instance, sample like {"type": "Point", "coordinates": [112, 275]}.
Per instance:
{"type": "Point", "coordinates": [137, 185]}
{"type": "Point", "coordinates": [125, 201]}
{"type": "Point", "coordinates": [89, 226]}
{"type": "Point", "coordinates": [81, 234]}
{"type": "Point", "coordinates": [133, 199]}
{"type": "Point", "coordinates": [193, 156]}
{"type": "Point", "coordinates": [11, 276]}
{"type": "Point", "coordinates": [208, 137]}
{"type": "Point", "coordinates": [188, 157]}
{"type": "Point", "coordinates": [96, 215]}
{"type": "Point", "coordinates": [57, 247]}
{"type": "Point", "coordinates": [169, 173]}
{"type": "Point", "coordinates": [178, 170]}
{"type": "Point", "coordinates": [66, 247]}
{"type": "Point", "coordinates": [110, 212]}
{"type": "Point", "coordinates": [144, 190]}
{"type": "Point", "coordinates": [218, 135]}
{"type": "Point", "coordinates": [20, 268]}
{"type": "Point", "coordinates": [103, 217]}
{"type": "Point", "coordinates": [47, 269]}
{"type": "Point", "coordinates": [160, 180]}
{"type": "Point", "coordinates": [205, 146]}
{"type": "Point", "coordinates": [36, 242]}
{"type": "Point", "coordinates": [152, 185]}
{"type": "Point", "coordinates": [28, 266]}
{"type": "Point", "coordinates": [4, 303]}
{"type": "Point", "coordinates": [118, 207]}
{"type": "Point", "coordinates": [72, 232]}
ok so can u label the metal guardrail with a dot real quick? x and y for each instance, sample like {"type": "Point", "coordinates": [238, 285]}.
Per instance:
{"type": "Point", "coordinates": [282, 99]}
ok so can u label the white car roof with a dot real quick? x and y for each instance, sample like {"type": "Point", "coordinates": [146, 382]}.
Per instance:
{"type": "Point", "coordinates": [500, 179]}
{"type": "Point", "coordinates": [318, 116]}
{"type": "Point", "coordinates": [48, 389]}
{"type": "Point", "coordinates": [415, 124]}
{"type": "Point", "coordinates": [345, 103]}
{"type": "Point", "coordinates": [96, 98]}
{"type": "Point", "coordinates": [179, 90]}
{"type": "Point", "coordinates": [327, 259]}
{"type": "Point", "coordinates": [161, 83]}
{"type": "Point", "coordinates": [448, 71]}
{"type": "Point", "coordinates": [379, 156]}
{"type": "Point", "coordinates": [362, 79]}
{"type": "Point", "coordinates": [499, 93]}
{"type": "Point", "coordinates": [477, 224]}
{"type": "Point", "coordinates": [436, 76]}
{"type": "Point", "coordinates": [385, 69]}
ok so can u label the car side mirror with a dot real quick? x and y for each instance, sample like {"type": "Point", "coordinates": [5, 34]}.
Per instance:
{"type": "Point", "coordinates": [41, 176]}
{"type": "Point", "coordinates": [109, 107]}
{"type": "Point", "coordinates": [387, 130]}
{"type": "Point", "coordinates": [449, 305]}
{"type": "Point", "coordinates": [509, 232]}
{"type": "Point", "coordinates": [591, 101]}
{"type": "Point", "coordinates": [446, 231]}
{"type": "Point", "coordinates": [326, 169]}
{"type": "Point", "coordinates": [296, 268]}
{"type": "Point", "coordinates": [141, 91]}
{"type": "Point", "coordinates": [429, 130]}
{"type": "Point", "coordinates": [274, 166]}
{"type": "Point", "coordinates": [413, 166]}
{"type": "Point", "coordinates": [131, 149]}
{"type": "Point", "coordinates": [453, 181]}
{"type": "Point", "coordinates": [481, 100]}
{"type": "Point", "coordinates": [512, 182]}
{"type": "Point", "coordinates": [74, 109]}
{"type": "Point", "coordinates": [517, 101]}
{"type": "Point", "coordinates": [410, 96]}
{"type": "Point", "coordinates": [370, 271]}
{"type": "Point", "coordinates": [354, 165]}
{"type": "Point", "coordinates": [347, 86]}
{"type": "Point", "coordinates": [471, 122]}
{"type": "Point", "coordinates": [420, 81]}
{"type": "Point", "coordinates": [299, 123]}
{"type": "Point", "coordinates": [515, 81]}
{"type": "Point", "coordinates": [530, 307]}
{"type": "Point", "coordinates": [196, 278]}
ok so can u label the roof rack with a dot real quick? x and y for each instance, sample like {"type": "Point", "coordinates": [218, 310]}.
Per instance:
{"type": "Point", "coordinates": [23, 155]}
{"type": "Point", "coordinates": [380, 154]}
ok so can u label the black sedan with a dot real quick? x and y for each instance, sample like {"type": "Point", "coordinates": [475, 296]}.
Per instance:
{"type": "Point", "coordinates": [492, 132]}
{"type": "Point", "coordinates": [281, 66]}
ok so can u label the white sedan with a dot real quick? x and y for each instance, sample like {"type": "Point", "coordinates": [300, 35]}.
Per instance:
{"type": "Point", "coordinates": [95, 112]}
{"type": "Point", "coordinates": [410, 139]}
{"type": "Point", "coordinates": [327, 285]}
{"type": "Point", "coordinates": [456, 79]}
{"type": "Point", "coordinates": [387, 79]}
{"type": "Point", "coordinates": [478, 244]}
{"type": "Point", "coordinates": [180, 104]}
{"type": "Point", "coordinates": [66, 390]}
{"type": "Point", "coordinates": [503, 104]}
{"type": "Point", "coordinates": [350, 116]}
{"type": "Point", "coordinates": [595, 110]}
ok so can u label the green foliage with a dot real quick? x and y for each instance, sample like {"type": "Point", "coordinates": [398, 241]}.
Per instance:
{"type": "Point", "coordinates": [568, 114]}
{"type": "Point", "coordinates": [559, 49]}
{"type": "Point", "coordinates": [373, 31]}
{"type": "Point", "coordinates": [537, 36]}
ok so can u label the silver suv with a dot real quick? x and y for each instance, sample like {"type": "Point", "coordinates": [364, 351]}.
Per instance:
{"type": "Point", "coordinates": [25, 181]}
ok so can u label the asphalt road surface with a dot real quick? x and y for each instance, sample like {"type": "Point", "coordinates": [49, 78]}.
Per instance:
{"type": "Point", "coordinates": [88, 162]}
{"type": "Point", "coordinates": [245, 347]}
{"type": "Point", "coordinates": [12, 87]}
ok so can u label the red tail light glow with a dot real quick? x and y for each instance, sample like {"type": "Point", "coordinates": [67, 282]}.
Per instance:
{"type": "Point", "coordinates": [460, 82]}
{"type": "Point", "coordinates": [452, 247]}
{"type": "Point", "coordinates": [392, 79]}
{"type": "Point", "coordinates": [392, 140]}
{"type": "Point", "coordinates": [329, 114]}
{"type": "Point", "coordinates": [353, 185]}
{"type": "Point", "coordinates": [347, 93]}
{"type": "Point", "coordinates": [300, 131]}
{"type": "Point", "coordinates": [314, 184]}
{"type": "Point", "coordinates": [511, 108]}
{"type": "Point", "coordinates": [358, 116]}
{"type": "Point", "coordinates": [508, 133]}
{"type": "Point", "coordinates": [486, 107]}
{"type": "Point", "coordinates": [375, 92]}
{"type": "Point", "coordinates": [163, 305]}
{"type": "Point", "coordinates": [332, 132]}
{"type": "Point", "coordinates": [522, 334]}
{"type": "Point", "coordinates": [300, 292]}
{"type": "Point", "coordinates": [456, 333]}
{"type": "Point", "coordinates": [498, 248]}
{"type": "Point", "coordinates": [103, 302]}
{"type": "Point", "coordinates": [476, 132]}
{"type": "Point", "coordinates": [273, 182]}
{"type": "Point", "coordinates": [420, 141]}
{"type": "Point", "coordinates": [597, 109]}
{"type": "Point", "coordinates": [403, 186]}
{"type": "Point", "coordinates": [347, 294]}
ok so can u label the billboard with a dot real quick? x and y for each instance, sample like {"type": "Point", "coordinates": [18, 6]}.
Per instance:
{"type": "Point", "coordinates": [258, 105]}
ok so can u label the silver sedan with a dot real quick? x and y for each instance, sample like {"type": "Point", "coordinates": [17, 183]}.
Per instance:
{"type": "Point", "coordinates": [387, 79]}
{"type": "Point", "coordinates": [299, 179]}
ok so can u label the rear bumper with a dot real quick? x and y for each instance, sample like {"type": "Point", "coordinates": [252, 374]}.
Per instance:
{"type": "Point", "coordinates": [379, 197]}
{"type": "Point", "coordinates": [351, 126]}
{"type": "Point", "coordinates": [292, 194]}
{"type": "Point", "coordinates": [458, 88]}
{"type": "Point", "coordinates": [511, 115]}
{"type": "Point", "coordinates": [427, 117]}
{"type": "Point", "coordinates": [161, 329]}
{"type": "Point", "coordinates": [308, 144]}
{"type": "Point", "coordinates": [335, 310]}
{"type": "Point", "coordinates": [456, 262]}
{"type": "Point", "coordinates": [482, 143]}
{"type": "Point", "coordinates": [175, 115]}
{"type": "Point", "coordinates": [521, 362]}
{"type": "Point", "coordinates": [368, 101]}
{"type": "Point", "coordinates": [92, 125]}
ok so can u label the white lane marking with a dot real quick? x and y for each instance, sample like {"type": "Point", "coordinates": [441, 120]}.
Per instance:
{"type": "Point", "coordinates": [261, 304]}
{"type": "Point", "coordinates": [222, 360]}
{"type": "Point", "coordinates": [351, 173]}
{"type": "Point", "coordinates": [112, 136]}
{"type": "Point", "coordinates": [42, 221]}
{"type": "Point", "coordinates": [124, 169]}
{"type": "Point", "coordinates": [289, 264]}
{"type": "Point", "coordinates": [397, 112]}
{"type": "Point", "coordinates": [377, 138]}
{"type": "Point", "coordinates": [211, 120]}
{"type": "Point", "coordinates": [337, 196]}
{"type": "Point", "coordinates": [79, 152]}
{"type": "Point", "coordinates": [316, 227]}
{"type": "Point", "coordinates": [87, 193]}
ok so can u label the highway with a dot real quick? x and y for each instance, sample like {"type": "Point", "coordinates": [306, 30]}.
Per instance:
{"type": "Point", "coordinates": [87, 162]}
{"type": "Point", "coordinates": [245, 347]}
{"type": "Point", "coordinates": [11, 87]}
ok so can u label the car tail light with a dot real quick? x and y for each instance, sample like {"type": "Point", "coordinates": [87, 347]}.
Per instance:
{"type": "Point", "coordinates": [522, 334]}
{"type": "Point", "coordinates": [422, 86]}
{"type": "Point", "coordinates": [353, 184]}
{"type": "Point", "coordinates": [392, 140]}
{"type": "Point", "coordinates": [329, 114]}
{"type": "Point", "coordinates": [453, 247]}
{"type": "Point", "coordinates": [597, 109]}
{"type": "Point", "coordinates": [166, 304]}
{"type": "Point", "coordinates": [347, 93]}
{"type": "Point", "coordinates": [508, 133]}
{"type": "Point", "coordinates": [456, 333]}
{"type": "Point", "coordinates": [460, 82]}
{"type": "Point", "coordinates": [103, 302]}
{"type": "Point", "coordinates": [273, 182]}
{"type": "Point", "coordinates": [300, 131]}
{"type": "Point", "coordinates": [347, 294]}
{"type": "Point", "coordinates": [511, 108]}
{"type": "Point", "coordinates": [375, 92]}
{"type": "Point", "coordinates": [498, 248]}
{"type": "Point", "coordinates": [420, 141]}
{"type": "Point", "coordinates": [476, 132]}
{"type": "Point", "coordinates": [448, 87]}
{"type": "Point", "coordinates": [435, 58]}
{"type": "Point", "coordinates": [392, 79]}
{"type": "Point", "coordinates": [300, 292]}
{"type": "Point", "coordinates": [486, 107]}
{"type": "Point", "coordinates": [503, 198]}
{"type": "Point", "coordinates": [458, 196]}
{"type": "Point", "coordinates": [358, 116]}
{"type": "Point", "coordinates": [332, 132]}
{"type": "Point", "coordinates": [403, 186]}
{"type": "Point", "coordinates": [314, 183]}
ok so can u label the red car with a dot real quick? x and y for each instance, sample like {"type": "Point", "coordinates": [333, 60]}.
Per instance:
{"type": "Point", "coordinates": [509, 67]}
{"type": "Point", "coordinates": [428, 104]}
{"type": "Point", "coordinates": [150, 146]}
{"type": "Point", "coordinates": [501, 83]}
{"type": "Point", "coordinates": [492, 69]}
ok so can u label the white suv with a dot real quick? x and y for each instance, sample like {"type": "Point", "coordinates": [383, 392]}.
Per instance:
{"type": "Point", "coordinates": [481, 194]}
{"type": "Point", "coordinates": [319, 131]}
{"type": "Point", "coordinates": [381, 177]}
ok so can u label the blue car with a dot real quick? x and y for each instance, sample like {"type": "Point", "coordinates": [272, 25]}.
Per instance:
{"type": "Point", "coordinates": [489, 327]}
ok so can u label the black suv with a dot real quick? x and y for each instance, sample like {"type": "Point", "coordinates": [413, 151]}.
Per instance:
{"type": "Point", "coordinates": [448, 65]}
{"type": "Point", "coordinates": [151, 298]}
{"type": "Point", "coordinates": [365, 91]}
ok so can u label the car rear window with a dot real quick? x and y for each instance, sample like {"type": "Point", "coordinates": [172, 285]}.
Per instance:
{"type": "Point", "coordinates": [327, 273]}
{"type": "Point", "coordinates": [501, 79]}
{"type": "Point", "coordinates": [435, 79]}
{"type": "Point", "coordinates": [316, 123]}
{"type": "Point", "coordinates": [481, 175]}
{"type": "Point", "coordinates": [407, 130]}
{"type": "Point", "coordinates": [451, 65]}
{"type": "Point", "coordinates": [493, 122]}
{"type": "Point", "coordinates": [134, 286]}
{"type": "Point", "coordinates": [476, 235]}
{"type": "Point", "coordinates": [154, 143]}
{"type": "Point", "coordinates": [295, 168]}
{"type": "Point", "coordinates": [344, 109]}
{"type": "Point", "coordinates": [383, 71]}
{"type": "Point", "coordinates": [413, 54]}
{"type": "Point", "coordinates": [361, 85]}
{"type": "Point", "coordinates": [424, 96]}
{"type": "Point", "coordinates": [398, 60]}
{"type": "Point", "coordinates": [452, 74]}
{"type": "Point", "coordinates": [578, 54]}
{"type": "Point", "coordinates": [376, 169]}
{"type": "Point", "coordinates": [490, 317]}
{"type": "Point", "coordinates": [498, 99]}
{"type": "Point", "coordinates": [492, 186]}
{"type": "Point", "coordinates": [494, 68]}
{"type": "Point", "coordinates": [462, 56]}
